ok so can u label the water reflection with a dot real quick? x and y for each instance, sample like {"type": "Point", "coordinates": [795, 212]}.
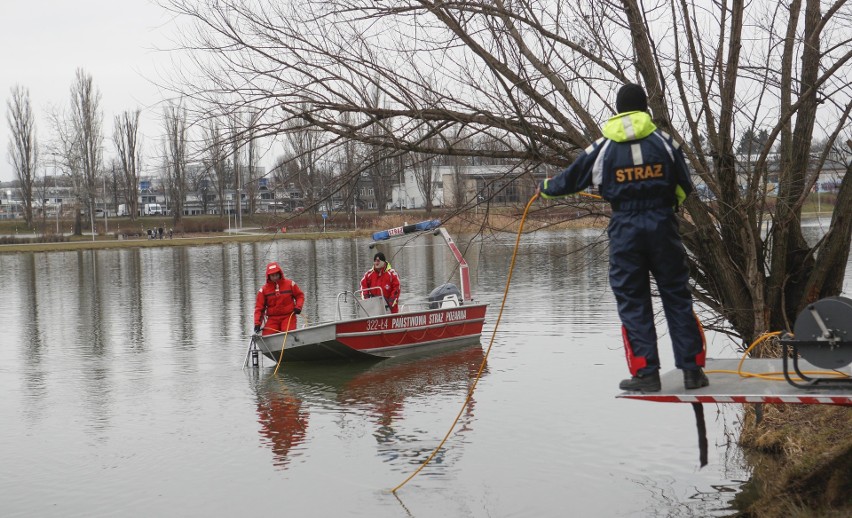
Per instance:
{"type": "Point", "coordinates": [283, 421]}
{"type": "Point", "coordinates": [378, 391]}
{"type": "Point", "coordinates": [32, 344]}
{"type": "Point", "coordinates": [125, 365]}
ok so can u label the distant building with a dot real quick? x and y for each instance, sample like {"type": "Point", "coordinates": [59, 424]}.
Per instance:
{"type": "Point", "coordinates": [499, 184]}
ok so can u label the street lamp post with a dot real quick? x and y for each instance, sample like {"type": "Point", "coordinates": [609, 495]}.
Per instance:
{"type": "Point", "coordinates": [106, 222]}
{"type": "Point", "coordinates": [238, 217]}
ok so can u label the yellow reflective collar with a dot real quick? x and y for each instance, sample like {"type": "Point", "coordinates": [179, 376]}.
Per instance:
{"type": "Point", "coordinates": [628, 126]}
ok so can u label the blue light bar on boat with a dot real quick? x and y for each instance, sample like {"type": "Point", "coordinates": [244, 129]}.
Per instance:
{"type": "Point", "coordinates": [407, 229]}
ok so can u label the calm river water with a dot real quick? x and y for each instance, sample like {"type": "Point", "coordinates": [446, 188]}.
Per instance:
{"type": "Point", "coordinates": [123, 393]}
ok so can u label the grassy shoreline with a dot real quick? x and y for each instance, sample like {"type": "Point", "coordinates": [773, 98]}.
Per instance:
{"type": "Point", "coordinates": [102, 243]}
{"type": "Point", "coordinates": [801, 456]}
{"type": "Point", "coordinates": [506, 221]}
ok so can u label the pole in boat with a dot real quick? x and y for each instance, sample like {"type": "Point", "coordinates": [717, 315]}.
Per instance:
{"type": "Point", "coordinates": [252, 352]}
{"type": "Point", "coordinates": [424, 226]}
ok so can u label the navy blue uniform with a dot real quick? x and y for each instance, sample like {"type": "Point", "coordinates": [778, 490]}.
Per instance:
{"type": "Point", "coordinates": [642, 173]}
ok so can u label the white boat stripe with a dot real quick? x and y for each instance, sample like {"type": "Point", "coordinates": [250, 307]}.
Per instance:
{"type": "Point", "coordinates": [376, 350]}
{"type": "Point", "coordinates": [378, 332]}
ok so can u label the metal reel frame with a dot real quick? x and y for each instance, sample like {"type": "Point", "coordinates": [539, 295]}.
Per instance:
{"type": "Point", "coordinates": [809, 382]}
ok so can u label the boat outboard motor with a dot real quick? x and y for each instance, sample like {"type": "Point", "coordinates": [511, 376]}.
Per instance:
{"type": "Point", "coordinates": [822, 335]}
{"type": "Point", "coordinates": [445, 292]}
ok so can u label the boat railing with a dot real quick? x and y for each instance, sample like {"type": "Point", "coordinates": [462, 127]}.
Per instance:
{"type": "Point", "coordinates": [361, 304]}
{"type": "Point", "coordinates": [413, 306]}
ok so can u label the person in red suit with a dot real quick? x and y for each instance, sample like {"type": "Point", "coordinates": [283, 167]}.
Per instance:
{"type": "Point", "coordinates": [278, 302]}
{"type": "Point", "coordinates": [382, 276]}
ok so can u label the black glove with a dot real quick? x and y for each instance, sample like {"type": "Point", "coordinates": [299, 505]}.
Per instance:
{"type": "Point", "coordinates": [297, 311]}
{"type": "Point", "coordinates": [257, 328]}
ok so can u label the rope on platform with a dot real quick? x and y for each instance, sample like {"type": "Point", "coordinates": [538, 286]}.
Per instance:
{"type": "Point", "coordinates": [487, 351]}
{"type": "Point", "coordinates": [770, 376]}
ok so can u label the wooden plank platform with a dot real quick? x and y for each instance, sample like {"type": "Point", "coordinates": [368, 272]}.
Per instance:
{"type": "Point", "coordinates": [732, 388]}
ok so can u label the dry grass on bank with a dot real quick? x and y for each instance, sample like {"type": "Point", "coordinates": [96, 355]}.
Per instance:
{"type": "Point", "coordinates": [199, 230]}
{"type": "Point", "coordinates": [802, 459]}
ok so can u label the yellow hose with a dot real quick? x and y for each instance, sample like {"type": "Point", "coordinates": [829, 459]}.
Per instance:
{"type": "Point", "coordinates": [487, 351]}
{"type": "Point", "coordinates": [770, 376]}
{"type": "Point", "coordinates": [494, 334]}
{"type": "Point", "coordinates": [281, 356]}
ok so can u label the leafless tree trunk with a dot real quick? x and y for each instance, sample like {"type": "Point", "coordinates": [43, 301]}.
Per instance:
{"type": "Point", "coordinates": [176, 156]}
{"type": "Point", "coordinates": [87, 120]}
{"type": "Point", "coordinates": [23, 145]}
{"type": "Point", "coordinates": [129, 149]}
{"type": "Point", "coordinates": [242, 128]}
{"type": "Point", "coordinates": [113, 185]}
{"type": "Point", "coordinates": [235, 139]}
{"type": "Point", "coordinates": [252, 172]}
{"type": "Point", "coordinates": [214, 146]}
{"type": "Point", "coordinates": [533, 81]}
{"type": "Point", "coordinates": [349, 173]}
{"type": "Point", "coordinates": [66, 155]}
{"type": "Point", "coordinates": [423, 167]}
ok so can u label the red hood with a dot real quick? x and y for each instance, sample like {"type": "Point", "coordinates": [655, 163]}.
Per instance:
{"type": "Point", "coordinates": [273, 268]}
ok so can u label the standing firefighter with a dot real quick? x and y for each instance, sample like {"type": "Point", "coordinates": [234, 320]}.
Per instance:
{"type": "Point", "coordinates": [643, 175]}
{"type": "Point", "coordinates": [278, 301]}
{"type": "Point", "coordinates": [382, 281]}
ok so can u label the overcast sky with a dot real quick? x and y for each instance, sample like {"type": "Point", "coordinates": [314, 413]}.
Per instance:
{"type": "Point", "coordinates": [43, 42]}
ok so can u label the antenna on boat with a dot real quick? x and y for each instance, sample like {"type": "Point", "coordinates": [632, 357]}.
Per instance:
{"type": "Point", "coordinates": [464, 274]}
{"type": "Point", "coordinates": [425, 226]}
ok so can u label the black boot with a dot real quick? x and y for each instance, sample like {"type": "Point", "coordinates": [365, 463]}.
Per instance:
{"type": "Point", "coordinates": [642, 383]}
{"type": "Point", "coordinates": [694, 379]}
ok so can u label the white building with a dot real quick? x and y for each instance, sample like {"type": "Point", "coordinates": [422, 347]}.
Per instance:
{"type": "Point", "coordinates": [409, 195]}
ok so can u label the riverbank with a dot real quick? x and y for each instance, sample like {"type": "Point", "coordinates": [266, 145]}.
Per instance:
{"type": "Point", "coordinates": [102, 243]}
{"type": "Point", "coordinates": [295, 228]}
{"type": "Point", "coordinates": [801, 457]}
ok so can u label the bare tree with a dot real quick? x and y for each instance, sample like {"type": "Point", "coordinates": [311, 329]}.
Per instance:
{"type": "Point", "coordinates": [23, 145]}
{"type": "Point", "coordinates": [536, 79]}
{"type": "Point", "coordinates": [384, 168]}
{"type": "Point", "coordinates": [63, 147]}
{"type": "Point", "coordinates": [86, 122]}
{"type": "Point", "coordinates": [198, 182]}
{"type": "Point", "coordinates": [113, 184]}
{"type": "Point", "coordinates": [175, 154]}
{"type": "Point", "coordinates": [349, 172]}
{"type": "Point", "coordinates": [252, 171]}
{"type": "Point", "coordinates": [215, 161]}
{"type": "Point", "coordinates": [129, 149]}
{"type": "Point", "coordinates": [423, 168]}
{"type": "Point", "coordinates": [305, 143]}
{"type": "Point", "coordinates": [242, 139]}
{"type": "Point", "coordinates": [235, 127]}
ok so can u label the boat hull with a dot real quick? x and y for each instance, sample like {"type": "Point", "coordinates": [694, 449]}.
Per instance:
{"type": "Point", "coordinates": [382, 336]}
